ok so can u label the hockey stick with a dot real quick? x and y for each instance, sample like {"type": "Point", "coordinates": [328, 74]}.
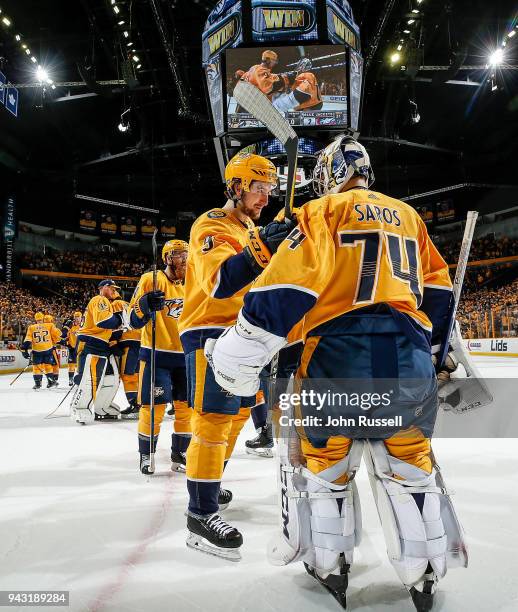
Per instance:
{"type": "Point", "coordinates": [460, 272]}
{"type": "Point", "coordinates": [258, 105]}
{"type": "Point", "coordinates": [13, 381]}
{"type": "Point", "coordinates": [153, 362]}
{"type": "Point", "coordinates": [461, 394]}
{"type": "Point", "coordinates": [49, 415]}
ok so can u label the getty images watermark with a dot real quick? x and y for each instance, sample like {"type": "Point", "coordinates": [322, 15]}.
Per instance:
{"type": "Point", "coordinates": [311, 402]}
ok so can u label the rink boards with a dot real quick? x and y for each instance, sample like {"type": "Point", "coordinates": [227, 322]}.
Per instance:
{"type": "Point", "coordinates": [12, 362]}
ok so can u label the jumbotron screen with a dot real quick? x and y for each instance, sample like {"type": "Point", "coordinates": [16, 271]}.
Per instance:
{"type": "Point", "coordinates": [308, 84]}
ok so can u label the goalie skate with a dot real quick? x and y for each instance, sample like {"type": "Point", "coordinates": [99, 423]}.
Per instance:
{"type": "Point", "coordinates": [262, 445]}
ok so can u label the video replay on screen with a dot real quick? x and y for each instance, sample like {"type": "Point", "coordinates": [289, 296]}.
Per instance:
{"type": "Point", "coordinates": [308, 84]}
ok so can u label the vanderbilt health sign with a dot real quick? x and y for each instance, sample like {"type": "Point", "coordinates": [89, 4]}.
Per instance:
{"type": "Point", "coordinates": [8, 238]}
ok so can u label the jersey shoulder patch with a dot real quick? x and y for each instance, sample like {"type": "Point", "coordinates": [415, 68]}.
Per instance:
{"type": "Point", "coordinates": [216, 214]}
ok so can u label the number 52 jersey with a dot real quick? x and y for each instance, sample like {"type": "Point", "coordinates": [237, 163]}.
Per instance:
{"type": "Point", "coordinates": [351, 251]}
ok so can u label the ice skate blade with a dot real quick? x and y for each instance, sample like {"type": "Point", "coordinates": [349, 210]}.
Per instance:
{"type": "Point", "coordinates": [265, 453]}
{"type": "Point", "coordinates": [177, 467]}
{"type": "Point", "coordinates": [129, 417]}
{"type": "Point", "coordinates": [336, 585]}
{"type": "Point", "coordinates": [196, 542]}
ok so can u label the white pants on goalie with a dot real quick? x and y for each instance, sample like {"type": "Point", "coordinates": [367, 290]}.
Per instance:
{"type": "Point", "coordinates": [90, 398]}
{"type": "Point", "coordinates": [320, 520]}
{"type": "Point", "coordinates": [414, 537]}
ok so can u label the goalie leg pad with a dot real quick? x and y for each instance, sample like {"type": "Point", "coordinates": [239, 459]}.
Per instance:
{"type": "Point", "coordinates": [91, 380]}
{"type": "Point", "coordinates": [416, 514]}
{"type": "Point", "coordinates": [320, 520]}
{"type": "Point", "coordinates": [107, 391]}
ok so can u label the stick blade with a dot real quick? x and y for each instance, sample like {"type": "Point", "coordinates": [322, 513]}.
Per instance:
{"type": "Point", "coordinates": [258, 105]}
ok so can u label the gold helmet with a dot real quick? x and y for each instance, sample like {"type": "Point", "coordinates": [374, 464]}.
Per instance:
{"type": "Point", "coordinates": [77, 314]}
{"type": "Point", "coordinates": [269, 56]}
{"type": "Point", "coordinates": [173, 245]}
{"type": "Point", "coordinates": [248, 167]}
{"type": "Point", "coordinates": [39, 316]}
{"type": "Point", "coordinates": [48, 318]}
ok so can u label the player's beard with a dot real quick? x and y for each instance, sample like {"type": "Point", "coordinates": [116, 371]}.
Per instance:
{"type": "Point", "coordinates": [251, 210]}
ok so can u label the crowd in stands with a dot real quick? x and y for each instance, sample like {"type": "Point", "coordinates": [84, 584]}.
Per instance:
{"type": "Point", "coordinates": [62, 297]}
{"type": "Point", "coordinates": [487, 247]}
{"type": "Point", "coordinates": [88, 262]}
{"type": "Point", "coordinates": [489, 312]}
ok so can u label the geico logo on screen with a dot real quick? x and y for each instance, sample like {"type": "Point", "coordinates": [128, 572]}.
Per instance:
{"type": "Point", "coordinates": [7, 358]}
{"type": "Point", "coordinates": [498, 345]}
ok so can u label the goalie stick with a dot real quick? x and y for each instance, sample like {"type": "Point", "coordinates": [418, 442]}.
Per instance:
{"type": "Point", "coordinates": [470, 392]}
{"type": "Point", "coordinates": [258, 105]}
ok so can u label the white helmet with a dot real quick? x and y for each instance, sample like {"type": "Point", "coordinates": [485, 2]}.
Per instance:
{"type": "Point", "coordinates": [338, 163]}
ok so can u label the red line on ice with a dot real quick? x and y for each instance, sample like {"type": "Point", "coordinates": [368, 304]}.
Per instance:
{"type": "Point", "coordinates": [137, 553]}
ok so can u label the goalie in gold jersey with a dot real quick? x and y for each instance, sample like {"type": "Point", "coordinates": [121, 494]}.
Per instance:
{"type": "Point", "coordinates": [170, 381]}
{"type": "Point", "coordinates": [375, 296]}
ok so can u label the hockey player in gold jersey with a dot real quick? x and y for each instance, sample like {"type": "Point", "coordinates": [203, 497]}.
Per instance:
{"type": "Point", "coordinates": [170, 380]}
{"type": "Point", "coordinates": [94, 360]}
{"type": "Point", "coordinates": [375, 295]}
{"type": "Point", "coordinates": [226, 253]}
{"type": "Point", "coordinates": [125, 346]}
{"type": "Point", "coordinates": [39, 339]}
{"type": "Point", "coordinates": [69, 339]}
{"type": "Point", "coordinates": [55, 333]}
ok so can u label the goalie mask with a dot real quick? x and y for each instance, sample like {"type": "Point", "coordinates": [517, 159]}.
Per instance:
{"type": "Point", "coordinates": [338, 163]}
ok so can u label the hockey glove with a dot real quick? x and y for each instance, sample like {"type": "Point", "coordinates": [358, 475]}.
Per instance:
{"type": "Point", "coordinates": [26, 354]}
{"type": "Point", "coordinates": [275, 233]}
{"type": "Point", "coordinates": [239, 354]}
{"type": "Point", "coordinates": [153, 301]}
{"type": "Point", "coordinates": [263, 242]}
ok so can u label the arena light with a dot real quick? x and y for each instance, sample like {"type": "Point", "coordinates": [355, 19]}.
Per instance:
{"type": "Point", "coordinates": [27, 51]}
{"type": "Point", "coordinates": [41, 74]}
{"type": "Point", "coordinates": [411, 21]}
{"type": "Point", "coordinates": [406, 31]}
{"type": "Point", "coordinates": [116, 10]}
{"type": "Point", "coordinates": [395, 58]}
{"type": "Point", "coordinates": [121, 22]}
{"type": "Point", "coordinates": [6, 21]}
{"type": "Point", "coordinates": [415, 11]}
{"type": "Point", "coordinates": [18, 38]}
{"type": "Point", "coordinates": [130, 44]}
{"type": "Point", "coordinates": [136, 59]}
{"type": "Point", "coordinates": [511, 33]}
{"type": "Point", "coordinates": [34, 60]}
{"type": "Point", "coordinates": [496, 58]}
{"type": "Point", "coordinates": [126, 34]}
{"type": "Point", "coordinates": [399, 47]}
{"type": "Point", "coordinates": [139, 66]}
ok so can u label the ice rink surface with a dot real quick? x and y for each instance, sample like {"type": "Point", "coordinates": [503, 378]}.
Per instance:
{"type": "Point", "coordinates": [77, 515]}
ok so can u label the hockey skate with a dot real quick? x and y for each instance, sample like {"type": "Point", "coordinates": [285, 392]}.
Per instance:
{"type": "Point", "coordinates": [111, 413]}
{"type": "Point", "coordinates": [82, 415]}
{"type": "Point", "coordinates": [178, 461]}
{"type": "Point", "coordinates": [262, 445]}
{"type": "Point", "coordinates": [224, 499]}
{"type": "Point", "coordinates": [37, 386]}
{"type": "Point", "coordinates": [147, 467]}
{"type": "Point", "coordinates": [336, 584]}
{"type": "Point", "coordinates": [131, 412]}
{"type": "Point", "coordinates": [423, 593]}
{"type": "Point", "coordinates": [52, 383]}
{"type": "Point", "coordinates": [212, 535]}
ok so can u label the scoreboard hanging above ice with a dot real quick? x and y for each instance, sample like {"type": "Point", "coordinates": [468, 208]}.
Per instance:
{"type": "Point", "coordinates": [294, 30]}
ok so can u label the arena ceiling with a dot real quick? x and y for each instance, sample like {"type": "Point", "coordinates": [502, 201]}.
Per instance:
{"type": "Point", "coordinates": [66, 138]}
